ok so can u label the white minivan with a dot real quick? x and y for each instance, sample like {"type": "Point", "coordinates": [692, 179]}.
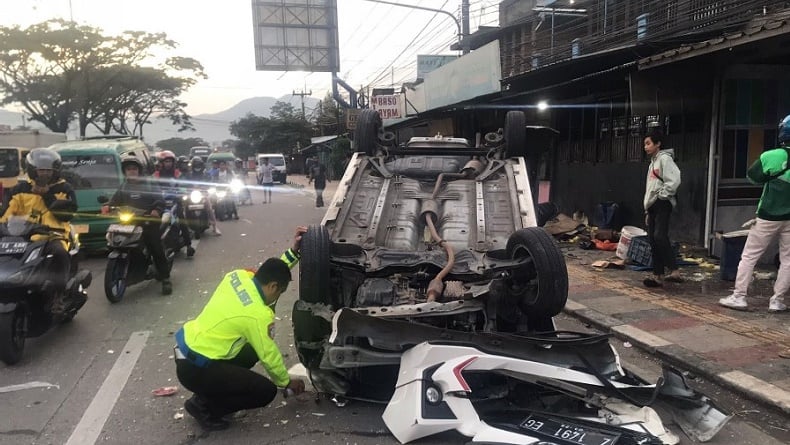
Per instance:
{"type": "Point", "coordinates": [278, 161]}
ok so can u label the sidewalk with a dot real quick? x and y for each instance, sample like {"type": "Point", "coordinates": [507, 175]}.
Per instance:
{"type": "Point", "coordinates": [683, 325]}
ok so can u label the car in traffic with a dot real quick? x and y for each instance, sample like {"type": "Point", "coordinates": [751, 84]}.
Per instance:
{"type": "Point", "coordinates": [93, 168]}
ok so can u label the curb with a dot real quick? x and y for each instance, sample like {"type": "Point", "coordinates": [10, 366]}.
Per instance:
{"type": "Point", "coordinates": [749, 386]}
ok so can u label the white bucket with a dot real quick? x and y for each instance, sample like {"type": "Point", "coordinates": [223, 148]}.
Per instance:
{"type": "Point", "coordinates": [627, 233]}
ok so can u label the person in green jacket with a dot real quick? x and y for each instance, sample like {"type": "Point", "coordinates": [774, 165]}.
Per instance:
{"type": "Point", "coordinates": [773, 220]}
{"type": "Point", "coordinates": [215, 351]}
{"type": "Point", "coordinates": [661, 186]}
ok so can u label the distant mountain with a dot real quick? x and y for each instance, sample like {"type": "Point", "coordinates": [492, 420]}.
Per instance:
{"type": "Point", "coordinates": [213, 128]}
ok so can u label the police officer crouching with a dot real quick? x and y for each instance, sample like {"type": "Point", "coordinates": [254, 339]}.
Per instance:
{"type": "Point", "coordinates": [235, 330]}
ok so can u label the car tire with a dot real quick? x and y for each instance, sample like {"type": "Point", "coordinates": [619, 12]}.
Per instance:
{"type": "Point", "coordinates": [366, 134]}
{"type": "Point", "coordinates": [541, 286]}
{"type": "Point", "coordinates": [314, 265]}
{"type": "Point", "coordinates": [515, 134]}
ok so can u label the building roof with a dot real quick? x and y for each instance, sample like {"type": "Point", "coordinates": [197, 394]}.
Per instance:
{"type": "Point", "coordinates": [766, 28]}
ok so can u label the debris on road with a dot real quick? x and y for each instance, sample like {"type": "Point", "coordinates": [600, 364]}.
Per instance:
{"type": "Point", "coordinates": [165, 391]}
{"type": "Point", "coordinates": [627, 345]}
{"type": "Point", "coordinates": [178, 416]}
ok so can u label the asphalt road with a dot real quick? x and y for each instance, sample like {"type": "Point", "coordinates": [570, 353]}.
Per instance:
{"type": "Point", "coordinates": [91, 381]}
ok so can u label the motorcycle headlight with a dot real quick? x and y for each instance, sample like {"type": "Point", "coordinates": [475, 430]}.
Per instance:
{"type": "Point", "coordinates": [221, 194]}
{"type": "Point", "coordinates": [126, 217]}
{"type": "Point", "coordinates": [34, 254]}
{"type": "Point", "coordinates": [236, 185]}
{"type": "Point", "coordinates": [195, 196]}
{"type": "Point", "coordinates": [212, 190]}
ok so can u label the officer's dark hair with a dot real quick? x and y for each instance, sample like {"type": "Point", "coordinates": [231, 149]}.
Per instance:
{"type": "Point", "coordinates": [274, 269]}
{"type": "Point", "coordinates": [656, 136]}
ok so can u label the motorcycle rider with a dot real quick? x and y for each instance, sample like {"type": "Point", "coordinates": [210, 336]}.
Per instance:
{"type": "Point", "coordinates": [182, 164]}
{"type": "Point", "coordinates": [225, 176]}
{"type": "Point", "coordinates": [199, 177]}
{"type": "Point", "coordinates": [169, 177]}
{"type": "Point", "coordinates": [141, 193]}
{"type": "Point", "coordinates": [47, 199]}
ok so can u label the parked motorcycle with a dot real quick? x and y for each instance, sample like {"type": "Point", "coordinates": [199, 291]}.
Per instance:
{"type": "Point", "coordinates": [30, 303]}
{"type": "Point", "coordinates": [129, 261]}
{"type": "Point", "coordinates": [196, 212]}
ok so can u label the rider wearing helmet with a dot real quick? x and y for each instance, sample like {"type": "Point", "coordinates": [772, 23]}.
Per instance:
{"type": "Point", "coordinates": [168, 172]}
{"type": "Point", "coordinates": [198, 171]}
{"type": "Point", "coordinates": [182, 164]}
{"type": "Point", "coordinates": [199, 176]}
{"type": "Point", "coordinates": [141, 193]}
{"type": "Point", "coordinates": [772, 171]}
{"type": "Point", "coordinates": [49, 200]}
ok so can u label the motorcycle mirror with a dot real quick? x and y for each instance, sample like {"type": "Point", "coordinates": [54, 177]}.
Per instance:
{"type": "Point", "coordinates": [102, 199]}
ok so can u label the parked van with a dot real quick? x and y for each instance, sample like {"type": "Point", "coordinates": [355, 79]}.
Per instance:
{"type": "Point", "coordinates": [278, 161]}
{"type": "Point", "coordinates": [12, 167]}
{"type": "Point", "coordinates": [93, 168]}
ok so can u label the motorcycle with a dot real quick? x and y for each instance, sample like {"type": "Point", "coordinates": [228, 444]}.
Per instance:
{"type": "Point", "coordinates": [196, 212]}
{"type": "Point", "coordinates": [171, 227]}
{"type": "Point", "coordinates": [129, 261]}
{"type": "Point", "coordinates": [226, 204]}
{"type": "Point", "coordinates": [27, 298]}
{"type": "Point", "coordinates": [241, 193]}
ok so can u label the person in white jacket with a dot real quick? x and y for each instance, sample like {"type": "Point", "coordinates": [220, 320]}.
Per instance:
{"type": "Point", "coordinates": [663, 180]}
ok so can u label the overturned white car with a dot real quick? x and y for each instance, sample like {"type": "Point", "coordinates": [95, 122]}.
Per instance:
{"type": "Point", "coordinates": [438, 241]}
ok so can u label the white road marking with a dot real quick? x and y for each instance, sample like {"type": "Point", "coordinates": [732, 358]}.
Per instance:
{"type": "Point", "coordinates": [28, 385]}
{"type": "Point", "coordinates": [92, 422]}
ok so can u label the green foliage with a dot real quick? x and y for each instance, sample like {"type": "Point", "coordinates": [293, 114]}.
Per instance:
{"type": "Point", "coordinates": [60, 71]}
{"type": "Point", "coordinates": [283, 132]}
{"type": "Point", "coordinates": [340, 153]}
{"type": "Point", "coordinates": [329, 117]}
{"type": "Point", "coordinates": [180, 146]}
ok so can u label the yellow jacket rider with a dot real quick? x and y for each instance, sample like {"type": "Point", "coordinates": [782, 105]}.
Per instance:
{"type": "Point", "coordinates": [45, 198]}
{"type": "Point", "coordinates": [234, 331]}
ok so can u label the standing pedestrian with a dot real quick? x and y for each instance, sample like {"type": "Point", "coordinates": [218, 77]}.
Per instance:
{"type": "Point", "coordinates": [266, 173]}
{"type": "Point", "coordinates": [663, 180]}
{"type": "Point", "coordinates": [773, 219]}
{"type": "Point", "coordinates": [215, 351]}
{"type": "Point", "coordinates": [318, 177]}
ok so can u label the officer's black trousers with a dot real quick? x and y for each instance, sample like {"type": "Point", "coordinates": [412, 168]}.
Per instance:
{"type": "Point", "coordinates": [228, 386]}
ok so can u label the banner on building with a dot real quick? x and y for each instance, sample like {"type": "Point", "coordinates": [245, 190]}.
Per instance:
{"type": "Point", "coordinates": [388, 106]}
{"type": "Point", "coordinates": [296, 35]}
{"type": "Point", "coordinates": [428, 62]}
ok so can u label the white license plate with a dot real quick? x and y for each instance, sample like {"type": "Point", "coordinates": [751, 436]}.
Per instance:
{"type": "Point", "coordinates": [13, 247]}
{"type": "Point", "coordinates": [81, 228]}
{"type": "Point", "coordinates": [121, 228]}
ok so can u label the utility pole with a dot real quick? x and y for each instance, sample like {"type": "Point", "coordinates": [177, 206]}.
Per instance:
{"type": "Point", "coordinates": [465, 44]}
{"type": "Point", "coordinates": [301, 95]}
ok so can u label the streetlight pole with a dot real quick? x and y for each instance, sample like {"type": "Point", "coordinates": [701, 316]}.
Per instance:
{"type": "Point", "coordinates": [463, 32]}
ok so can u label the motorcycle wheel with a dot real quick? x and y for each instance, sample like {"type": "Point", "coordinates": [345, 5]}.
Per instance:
{"type": "Point", "coordinates": [115, 280]}
{"type": "Point", "coordinates": [12, 336]}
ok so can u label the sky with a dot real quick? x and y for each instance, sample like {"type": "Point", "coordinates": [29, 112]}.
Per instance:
{"type": "Point", "coordinates": [379, 43]}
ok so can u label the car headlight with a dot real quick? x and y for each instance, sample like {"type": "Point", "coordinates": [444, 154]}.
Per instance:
{"type": "Point", "coordinates": [126, 217]}
{"type": "Point", "coordinates": [221, 194]}
{"type": "Point", "coordinates": [236, 185]}
{"type": "Point", "coordinates": [195, 196]}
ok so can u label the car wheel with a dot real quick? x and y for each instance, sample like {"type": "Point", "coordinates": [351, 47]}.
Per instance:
{"type": "Point", "coordinates": [314, 266]}
{"type": "Point", "coordinates": [515, 134]}
{"type": "Point", "coordinates": [12, 335]}
{"type": "Point", "coordinates": [540, 286]}
{"type": "Point", "coordinates": [367, 133]}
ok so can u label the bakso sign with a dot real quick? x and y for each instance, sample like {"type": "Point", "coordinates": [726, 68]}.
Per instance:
{"type": "Point", "coordinates": [388, 106]}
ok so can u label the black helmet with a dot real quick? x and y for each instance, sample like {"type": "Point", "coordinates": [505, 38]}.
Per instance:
{"type": "Point", "coordinates": [197, 164]}
{"type": "Point", "coordinates": [182, 163]}
{"type": "Point", "coordinates": [44, 159]}
{"type": "Point", "coordinates": [129, 159]}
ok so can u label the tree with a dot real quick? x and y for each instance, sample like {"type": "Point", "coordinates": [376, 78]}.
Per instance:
{"type": "Point", "coordinates": [329, 117]}
{"type": "Point", "coordinates": [60, 71]}
{"type": "Point", "coordinates": [180, 146]}
{"type": "Point", "coordinates": [280, 133]}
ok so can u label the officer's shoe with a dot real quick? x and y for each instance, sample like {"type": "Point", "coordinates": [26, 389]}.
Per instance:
{"type": "Point", "coordinates": [190, 251]}
{"type": "Point", "coordinates": [197, 409]}
{"type": "Point", "coordinates": [167, 287]}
